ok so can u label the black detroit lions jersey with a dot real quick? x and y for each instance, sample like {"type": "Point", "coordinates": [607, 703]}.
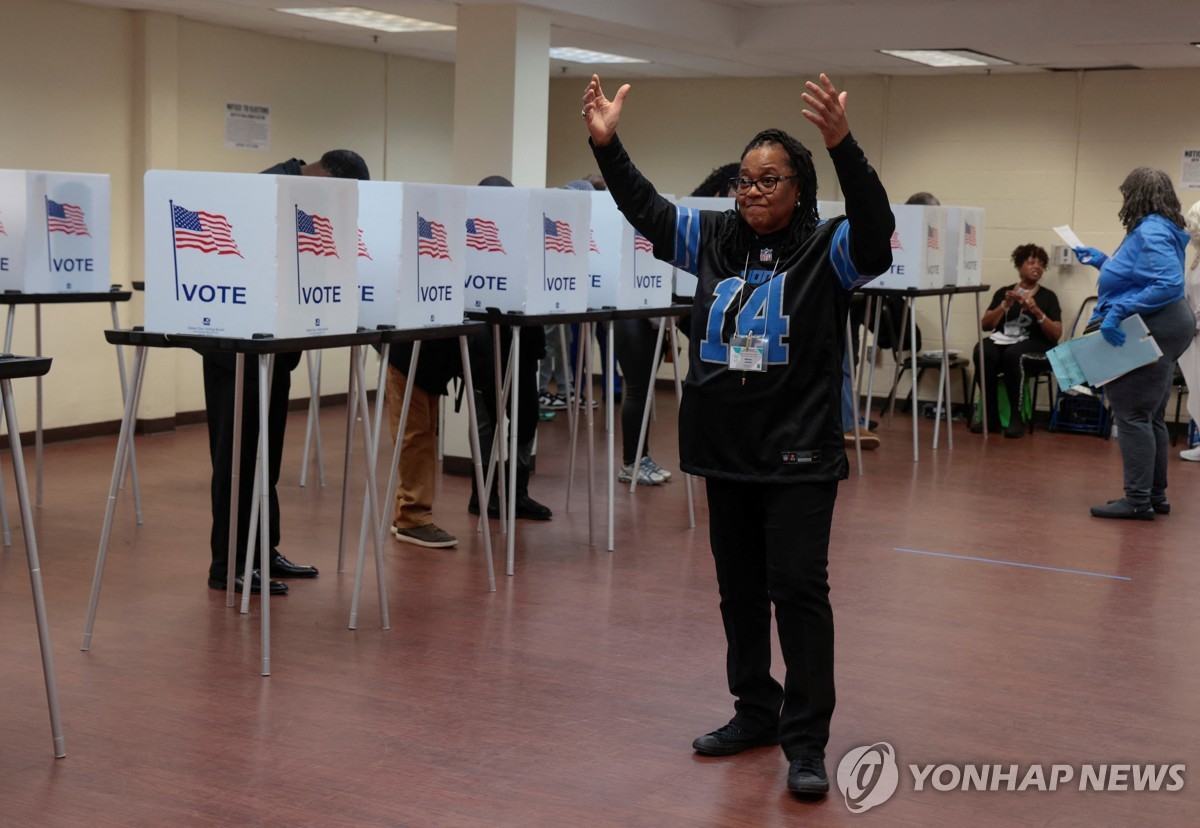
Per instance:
{"type": "Point", "coordinates": [782, 425]}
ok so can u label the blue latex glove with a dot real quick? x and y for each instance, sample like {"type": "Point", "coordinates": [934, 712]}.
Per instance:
{"type": "Point", "coordinates": [1111, 331]}
{"type": "Point", "coordinates": [1090, 256]}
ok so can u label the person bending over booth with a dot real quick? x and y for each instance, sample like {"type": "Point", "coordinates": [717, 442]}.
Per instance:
{"type": "Point", "coordinates": [219, 389]}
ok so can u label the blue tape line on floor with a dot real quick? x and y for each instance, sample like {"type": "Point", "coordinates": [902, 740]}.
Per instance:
{"type": "Point", "coordinates": [1014, 563]}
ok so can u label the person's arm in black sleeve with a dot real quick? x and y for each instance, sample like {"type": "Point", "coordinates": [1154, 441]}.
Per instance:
{"type": "Point", "coordinates": [649, 213]}
{"type": "Point", "coordinates": [871, 222]}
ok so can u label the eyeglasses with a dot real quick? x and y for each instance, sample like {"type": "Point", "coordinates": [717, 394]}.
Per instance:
{"type": "Point", "coordinates": [766, 185]}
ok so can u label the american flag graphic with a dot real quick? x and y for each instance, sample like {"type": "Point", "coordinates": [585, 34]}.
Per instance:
{"type": "Point", "coordinates": [206, 232]}
{"type": "Point", "coordinates": [592, 242]}
{"type": "Point", "coordinates": [65, 218]}
{"type": "Point", "coordinates": [969, 236]}
{"type": "Point", "coordinates": [896, 240]}
{"type": "Point", "coordinates": [557, 235]}
{"type": "Point", "coordinates": [363, 253]}
{"type": "Point", "coordinates": [931, 238]}
{"type": "Point", "coordinates": [314, 234]}
{"type": "Point", "coordinates": [431, 239]}
{"type": "Point", "coordinates": [642, 243]}
{"type": "Point", "coordinates": [483, 235]}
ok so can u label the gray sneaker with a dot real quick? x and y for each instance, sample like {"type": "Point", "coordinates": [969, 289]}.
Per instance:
{"type": "Point", "coordinates": [644, 476]}
{"type": "Point", "coordinates": [428, 535]}
{"type": "Point", "coordinates": [648, 463]}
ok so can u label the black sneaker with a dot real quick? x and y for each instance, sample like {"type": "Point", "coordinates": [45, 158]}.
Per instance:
{"type": "Point", "coordinates": [806, 776]}
{"type": "Point", "coordinates": [1122, 509]}
{"type": "Point", "coordinates": [530, 509]}
{"type": "Point", "coordinates": [731, 739]}
{"type": "Point", "coordinates": [1160, 507]}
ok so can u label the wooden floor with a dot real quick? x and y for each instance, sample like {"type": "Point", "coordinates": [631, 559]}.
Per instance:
{"type": "Point", "coordinates": [570, 696]}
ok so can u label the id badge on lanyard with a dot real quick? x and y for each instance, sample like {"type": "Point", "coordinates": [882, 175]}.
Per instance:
{"type": "Point", "coordinates": [747, 352]}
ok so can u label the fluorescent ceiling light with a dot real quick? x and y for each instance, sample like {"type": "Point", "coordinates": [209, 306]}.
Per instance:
{"type": "Point", "coordinates": [943, 58]}
{"type": "Point", "coordinates": [574, 55]}
{"type": "Point", "coordinates": [370, 19]}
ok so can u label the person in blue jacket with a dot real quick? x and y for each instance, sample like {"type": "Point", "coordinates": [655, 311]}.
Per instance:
{"type": "Point", "coordinates": [1144, 276]}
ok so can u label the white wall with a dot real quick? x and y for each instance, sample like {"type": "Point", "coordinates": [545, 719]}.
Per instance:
{"type": "Point", "coordinates": [153, 95]}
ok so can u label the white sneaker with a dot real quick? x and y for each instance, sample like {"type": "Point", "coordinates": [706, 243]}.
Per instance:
{"type": "Point", "coordinates": [1191, 454]}
{"type": "Point", "coordinates": [645, 477]}
{"type": "Point", "coordinates": [654, 468]}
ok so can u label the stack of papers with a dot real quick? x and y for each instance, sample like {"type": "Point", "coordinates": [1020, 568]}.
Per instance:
{"type": "Point", "coordinates": [1090, 359]}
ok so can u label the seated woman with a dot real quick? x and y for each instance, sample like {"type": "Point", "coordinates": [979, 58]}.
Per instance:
{"type": "Point", "coordinates": [1024, 318]}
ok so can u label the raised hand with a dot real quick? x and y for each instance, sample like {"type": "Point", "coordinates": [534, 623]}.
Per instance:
{"type": "Point", "coordinates": [600, 114]}
{"type": "Point", "coordinates": [828, 110]}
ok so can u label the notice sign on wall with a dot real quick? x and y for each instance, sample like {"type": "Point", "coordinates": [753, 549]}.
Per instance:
{"type": "Point", "coordinates": [247, 126]}
{"type": "Point", "coordinates": [1189, 176]}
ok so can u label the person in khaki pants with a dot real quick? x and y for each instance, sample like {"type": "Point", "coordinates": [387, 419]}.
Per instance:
{"type": "Point", "coordinates": [412, 515]}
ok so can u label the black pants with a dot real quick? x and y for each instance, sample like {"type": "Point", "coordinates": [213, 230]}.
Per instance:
{"type": "Point", "coordinates": [1006, 360]}
{"type": "Point", "coordinates": [634, 343]}
{"type": "Point", "coordinates": [219, 388]}
{"type": "Point", "coordinates": [771, 546]}
{"type": "Point", "coordinates": [481, 348]}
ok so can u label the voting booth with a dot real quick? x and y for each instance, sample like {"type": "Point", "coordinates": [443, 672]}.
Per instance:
{"type": "Point", "coordinates": [623, 272]}
{"type": "Point", "coordinates": [830, 209]}
{"type": "Point", "coordinates": [237, 255]}
{"type": "Point", "coordinates": [918, 249]}
{"type": "Point", "coordinates": [964, 246]}
{"type": "Point", "coordinates": [54, 232]}
{"type": "Point", "coordinates": [685, 283]}
{"type": "Point", "coordinates": [527, 250]}
{"type": "Point", "coordinates": [412, 261]}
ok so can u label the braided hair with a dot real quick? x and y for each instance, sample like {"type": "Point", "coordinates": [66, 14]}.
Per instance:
{"type": "Point", "coordinates": [739, 236]}
{"type": "Point", "coordinates": [1148, 191]}
{"type": "Point", "coordinates": [717, 183]}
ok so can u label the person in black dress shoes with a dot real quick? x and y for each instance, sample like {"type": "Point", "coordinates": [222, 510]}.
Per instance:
{"type": "Point", "coordinates": [219, 389]}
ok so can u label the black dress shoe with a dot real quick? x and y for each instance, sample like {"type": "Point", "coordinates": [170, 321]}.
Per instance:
{"type": "Point", "coordinates": [277, 587]}
{"type": "Point", "coordinates": [731, 739]}
{"type": "Point", "coordinates": [530, 509]}
{"type": "Point", "coordinates": [281, 567]}
{"type": "Point", "coordinates": [1016, 429]}
{"type": "Point", "coordinates": [493, 508]}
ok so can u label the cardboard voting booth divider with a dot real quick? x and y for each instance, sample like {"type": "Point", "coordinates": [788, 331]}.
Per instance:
{"type": "Point", "coordinates": [54, 232]}
{"type": "Point", "coordinates": [964, 246]}
{"type": "Point", "coordinates": [830, 209]}
{"type": "Point", "coordinates": [918, 249]}
{"type": "Point", "coordinates": [527, 250]}
{"type": "Point", "coordinates": [685, 283]}
{"type": "Point", "coordinates": [235, 255]}
{"type": "Point", "coordinates": [412, 261]}
{"type": "Point", "coordinates": [623, 272]}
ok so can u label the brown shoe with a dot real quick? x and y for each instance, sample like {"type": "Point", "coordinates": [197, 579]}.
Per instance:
{"type": "Point", "coordinates": [429, 535]}
{"type": "Point", "coordinates": [869, 439]}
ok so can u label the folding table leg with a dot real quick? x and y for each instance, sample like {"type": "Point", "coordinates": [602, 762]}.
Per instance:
{"type": "Point", "coordinates": [35, 569]}
{"type": "Point", "coordinates": [265, 363]}
{"type": "Point", "coordinates": [687, 478]}
{"type": "Point", "coordinates": [133, 467]}
{"type": "Point", "coordinates": [239, 384]}
{"type": "Point", "coordinates": [641, 444]}
{"type": "Point", "coordinates": [123, 440]}
{"type": "Point", "coordinates": [476, 453]}
{"type": "Point", "coordinates": [351, 407]}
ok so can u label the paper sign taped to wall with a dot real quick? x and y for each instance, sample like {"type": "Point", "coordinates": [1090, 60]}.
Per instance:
{"type": "Point", "coordinates": [247, 126]}
{"type": "Point", "coordinates": [1189, 175]}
